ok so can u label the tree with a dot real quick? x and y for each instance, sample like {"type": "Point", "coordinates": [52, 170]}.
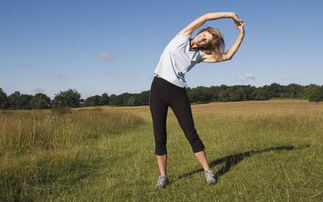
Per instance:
{"type": "Point", "coordinates": [4, 101]}
{"type": "Point", "coordinates": [115, 100]}
{"type": "Point", "coordinates": [317, 95]}
{"type": "Point", "coordinates": [104, 99]}
{"type": "Point", "coordinates": [131, 101]}
{"type": "Point", "coordinates": [248, 92]}
{"type": "Point", "coordinates": [142, 98]}
{"type": "Point", "coordinates": [92, 101]}
{"type": "Point", "coordinates": [40, 101]}
{"type": "Point", "coordinates": [309, 90]}
{"type": "Point", "coordinates": [214, 92]}
{"type": "Point", "coordinates": [260, 94]}
{"type": "Point", "coordinates": [192, 95]}
{"type": "Point", "coordinates": [19, 101]}
{"type": "Point", "coordinates": [124, 98]}
{"type": "Point", "coordinates": [69, 98]}
{"type": "Point", "coordinates": [24, 101]}
{"type": "Point", "coordinates": [294, 90]}
{"type": "Point", "coordinates": [14, 100]}
{"type": "Point", "coordinates": [200, 94]}
{"type": "Point", "coordinates": [274, 90]}
{"type": "Point", "coordinates": [236, 94]}
{"type": "Point", "coordinates": [224, 95]}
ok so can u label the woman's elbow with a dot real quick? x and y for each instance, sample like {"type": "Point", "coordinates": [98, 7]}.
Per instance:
{"type": "Point", "coordinates": [227, 57]}
{"type": "Point", "coordinates": [224, 57]}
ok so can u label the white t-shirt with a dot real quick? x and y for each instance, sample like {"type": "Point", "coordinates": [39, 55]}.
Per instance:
{"type": "Point", "coordinates": [177, 59]}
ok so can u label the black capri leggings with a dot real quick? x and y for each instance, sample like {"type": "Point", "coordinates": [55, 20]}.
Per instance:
{"type": "Point", "coordinates": [162, 95]}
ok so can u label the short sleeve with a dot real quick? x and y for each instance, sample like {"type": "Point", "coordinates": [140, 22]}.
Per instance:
{"type": "Point", "coordinates": [186, 36]}
{"type": "Point", "coordinates": [178, 40]}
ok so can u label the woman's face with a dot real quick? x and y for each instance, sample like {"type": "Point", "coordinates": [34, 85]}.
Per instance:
{"type": "Point", "coordinates": [202, 39]}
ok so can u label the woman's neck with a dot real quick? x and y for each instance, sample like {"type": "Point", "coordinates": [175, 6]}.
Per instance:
{"type": "Point", "coordinates": [192, 45]}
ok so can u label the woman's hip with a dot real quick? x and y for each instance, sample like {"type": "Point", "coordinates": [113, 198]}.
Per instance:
{"type": "Point", "coordinates": [162, 84]}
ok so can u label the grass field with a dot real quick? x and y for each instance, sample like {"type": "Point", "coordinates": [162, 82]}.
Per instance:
{"type": "Point", "coordinates": [261, 150]}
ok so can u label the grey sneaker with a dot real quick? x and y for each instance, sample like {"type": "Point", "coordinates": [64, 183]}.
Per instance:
{"type": "Point", "coordinates": [210, 177]}
{"type": "Point", "coordinates": [162, 182]}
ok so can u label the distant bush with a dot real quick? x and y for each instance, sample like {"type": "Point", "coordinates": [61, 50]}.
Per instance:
{"type": "Point", "coordinates": [316, 95]}
{"type": "Point", "coordinates": [69, 98]}
{"type": "Point", "coordinates": [197, 95]}
{"type": "Point", "coordinates": [4, 102]}
{"type": "Point", "coordinates": [40, 101]}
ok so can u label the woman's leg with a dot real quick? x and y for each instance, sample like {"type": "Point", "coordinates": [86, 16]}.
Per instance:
{"type": "Point", "coordinates": [182, 110]}
{"type": "Point", "coordinates": [162, 164]}
{"type": "Point", "coordinates": [201, 157]}
{"type": "Point", "coordinates": [159, 108]}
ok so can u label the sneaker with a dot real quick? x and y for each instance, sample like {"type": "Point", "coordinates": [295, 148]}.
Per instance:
{"type": "Point", "coordinates": [162, 182]}
{"type": "Point", "coordinates": [210, 177]}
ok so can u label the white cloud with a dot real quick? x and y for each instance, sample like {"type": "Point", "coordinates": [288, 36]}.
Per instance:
{"type": "Point", "coordinates": [106, 56]}
{"type": "Point", "coordinates": [245, 77]}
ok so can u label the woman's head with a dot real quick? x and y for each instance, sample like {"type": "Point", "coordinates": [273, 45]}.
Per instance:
{"type": "Point", "coordinates": [210, 40]}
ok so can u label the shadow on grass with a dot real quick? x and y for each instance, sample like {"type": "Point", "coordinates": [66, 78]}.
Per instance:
{"type": "Point", "coordinates": [232, 160]}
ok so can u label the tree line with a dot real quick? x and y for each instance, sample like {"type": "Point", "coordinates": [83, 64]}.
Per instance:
{"type": "Point", "coordinates": [198, 95]}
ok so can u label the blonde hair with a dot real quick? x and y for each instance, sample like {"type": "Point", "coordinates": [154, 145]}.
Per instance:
{"type": "Point", "coordinates": [217, 46]}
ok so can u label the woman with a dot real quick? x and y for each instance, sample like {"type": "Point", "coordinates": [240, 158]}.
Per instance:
{"type": "Point", "coordinates": [168, 85]}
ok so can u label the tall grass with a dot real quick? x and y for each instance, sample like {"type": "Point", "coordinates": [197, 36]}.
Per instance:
{"type": "Point", "coordinates": [261, 151]}
{"type": "Point", "coordinates": [47, 151]}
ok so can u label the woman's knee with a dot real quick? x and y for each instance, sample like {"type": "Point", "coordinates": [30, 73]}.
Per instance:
{"type": "Point", "coordinates": [194, 140]}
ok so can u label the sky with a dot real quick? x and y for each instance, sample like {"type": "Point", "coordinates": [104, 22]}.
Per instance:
{"type": "Point", "coordinates": [113, 47]}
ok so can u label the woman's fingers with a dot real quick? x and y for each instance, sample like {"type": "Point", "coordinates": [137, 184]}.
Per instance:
{"type": "Point", "coordinates": [241, 28]}
{"type": "Point", "coordinates": [239, 22]}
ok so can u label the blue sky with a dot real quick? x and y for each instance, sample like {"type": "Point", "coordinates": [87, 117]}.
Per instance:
{"type": "Point", "coordinates": [114, 46]}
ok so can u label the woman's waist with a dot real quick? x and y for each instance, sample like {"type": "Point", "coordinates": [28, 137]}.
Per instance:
{"type": "Point", "coordinates": [166, 82]}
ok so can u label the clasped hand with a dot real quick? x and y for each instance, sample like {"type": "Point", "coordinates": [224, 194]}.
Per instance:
{"type": "Point", "coordinates": [238, 21]}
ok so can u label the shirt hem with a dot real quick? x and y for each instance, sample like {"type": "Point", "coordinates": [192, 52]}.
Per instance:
{"type": "Point", "coordinates": [185, 85]}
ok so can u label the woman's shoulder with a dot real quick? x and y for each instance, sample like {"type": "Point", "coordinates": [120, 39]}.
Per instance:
{"type": "Point", "coordinates": [178, 40]}
{"type": "Point", "coordinates": [183, 35]}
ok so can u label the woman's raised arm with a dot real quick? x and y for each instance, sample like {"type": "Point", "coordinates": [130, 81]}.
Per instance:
{"type": "Point", "coordinates": [233, 49]}
{"type": "Point", "coordinates": [189, 29]}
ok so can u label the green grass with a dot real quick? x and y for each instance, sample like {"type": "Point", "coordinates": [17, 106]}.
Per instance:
{"type": "Point", "coordinates": [261, 150]}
